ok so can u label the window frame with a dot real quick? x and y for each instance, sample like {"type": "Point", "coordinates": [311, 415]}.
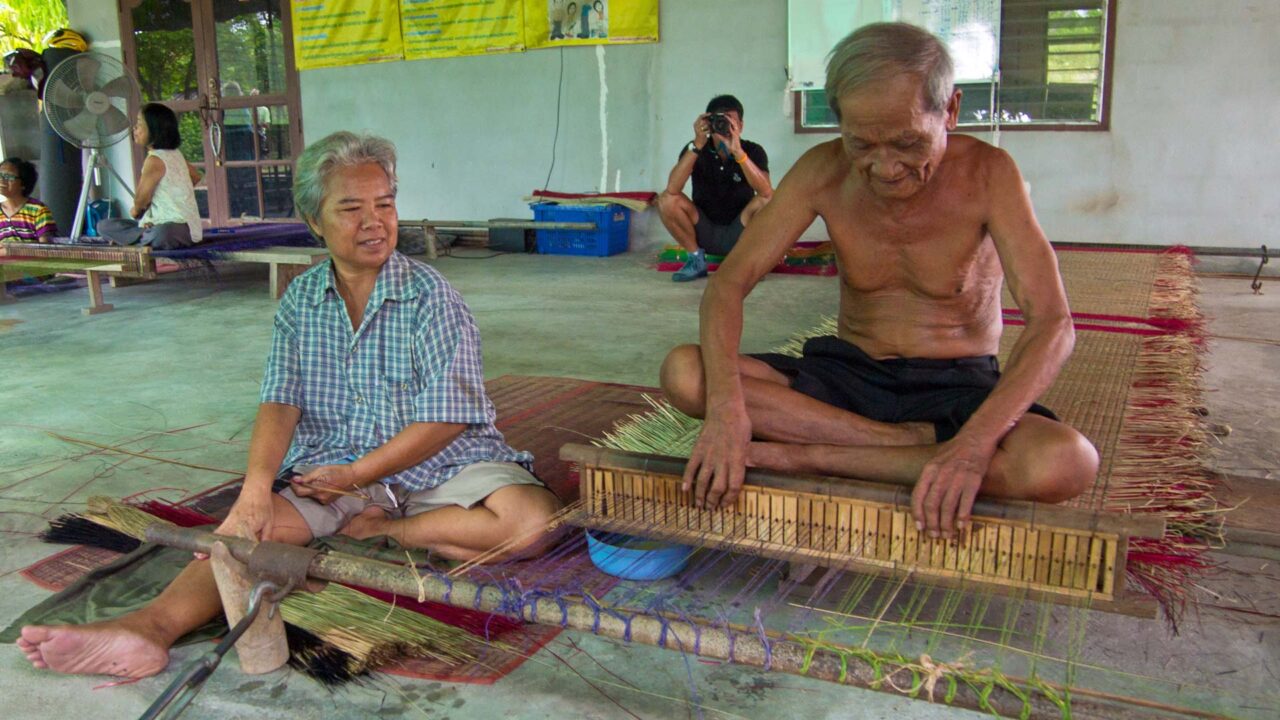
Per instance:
{"type": "Point", "coordinates": [1103, 124]}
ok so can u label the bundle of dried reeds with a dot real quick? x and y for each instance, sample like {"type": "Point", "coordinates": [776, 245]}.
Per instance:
{"type": "Point", "coordinates": [339, 633]}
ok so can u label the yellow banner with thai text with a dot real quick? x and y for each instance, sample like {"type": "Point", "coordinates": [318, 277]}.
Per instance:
{"type": "Point", "coordinates": [330, 33]}
{"type": "Point", "coordinates": [449, 28]}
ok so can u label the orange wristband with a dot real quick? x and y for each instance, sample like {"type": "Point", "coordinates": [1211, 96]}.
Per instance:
{"type": "Point", "coordinates": [741, 158]}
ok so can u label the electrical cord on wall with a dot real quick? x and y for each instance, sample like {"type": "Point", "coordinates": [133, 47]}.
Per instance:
{"type": "Point", "coordinates": [556, 139]}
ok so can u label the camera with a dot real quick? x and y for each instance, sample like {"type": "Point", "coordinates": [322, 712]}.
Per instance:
{"type": "Point", "coordinates": [719, 124]}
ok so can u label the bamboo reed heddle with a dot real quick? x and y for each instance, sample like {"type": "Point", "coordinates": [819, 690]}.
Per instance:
{"type": "Point", "coordinates": [1048, 552]}
{"type": "Point", "coordinates": [134, 260]}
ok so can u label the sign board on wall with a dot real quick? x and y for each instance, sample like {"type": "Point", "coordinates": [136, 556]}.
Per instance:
{"type": "Point", "coordinates": [434, 29]}
{"type": "Point", "coordinates": [329, 33]}
{"type": "Point", "coordinates": [559, 23]}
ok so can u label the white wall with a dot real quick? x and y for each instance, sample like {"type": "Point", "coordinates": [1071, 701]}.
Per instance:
{"type": "Point", "coordinates": [1192, 155]}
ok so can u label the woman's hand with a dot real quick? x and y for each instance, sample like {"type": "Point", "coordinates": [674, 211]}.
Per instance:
{"type": "Point", "coordinates": [252, 517]}
{"type": "Point", "coordinates": [327, 483]}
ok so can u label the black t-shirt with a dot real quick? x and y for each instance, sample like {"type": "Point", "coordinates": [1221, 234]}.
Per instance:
{"type": "Point", "coordinates": [720, 190]}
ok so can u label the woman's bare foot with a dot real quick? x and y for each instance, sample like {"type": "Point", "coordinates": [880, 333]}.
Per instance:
{"type": "Point", "coordinates": [98, 649]}
{"type": "Point", "coordinates": [370, 523]}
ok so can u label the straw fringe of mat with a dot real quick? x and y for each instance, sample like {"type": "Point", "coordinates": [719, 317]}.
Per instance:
{"type": "Point", "coordinates": [1175, 291]}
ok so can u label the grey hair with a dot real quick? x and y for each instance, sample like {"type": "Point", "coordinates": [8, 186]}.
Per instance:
{"type": "Point", "coordinates": [880, 51]}
{"type": "Point", "coordinates": [341, 149]}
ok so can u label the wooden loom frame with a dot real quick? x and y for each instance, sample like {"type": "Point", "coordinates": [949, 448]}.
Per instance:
{"type": "Point", "coordinates": [136, 263]}
{"type": "Point", "coordinates": [126, 261]}
{"type": "Point", "coordinates": [1044, 552]}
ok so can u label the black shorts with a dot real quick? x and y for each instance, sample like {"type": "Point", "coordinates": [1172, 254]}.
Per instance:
{"type": "Point", "coordinates": [717, 239]}
{"type": "Point", "coordinates": [943, 392]}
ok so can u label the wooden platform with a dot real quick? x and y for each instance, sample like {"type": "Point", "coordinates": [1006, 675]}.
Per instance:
{"type": "Point", "coordinates": [286, 263]}
{"type": "Point", "coordinates": [128, 264]}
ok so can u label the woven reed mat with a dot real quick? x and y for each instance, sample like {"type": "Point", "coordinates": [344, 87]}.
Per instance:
{"type": "Point", "coordinates": [1136, 397]}
{"type": "Point", "coordinates": [1136, 284]}
{"type": "Point", "coordinates": [1135, 393]}
{"type": "Point", "coordinates": [538, 414]}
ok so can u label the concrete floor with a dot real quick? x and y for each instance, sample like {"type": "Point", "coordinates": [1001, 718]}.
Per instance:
{"type": "Point", "coordinates": [176, 367]}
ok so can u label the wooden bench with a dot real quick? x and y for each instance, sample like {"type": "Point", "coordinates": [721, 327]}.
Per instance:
{"type": "Point", "coordinates": [286, 263]}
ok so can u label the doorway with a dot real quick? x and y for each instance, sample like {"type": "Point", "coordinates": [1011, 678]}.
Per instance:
{"type": "Point", "coordinates": [226, 68]}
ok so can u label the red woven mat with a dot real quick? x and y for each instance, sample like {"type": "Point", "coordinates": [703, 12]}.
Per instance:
{"type": "Point", "coordinates": [538, 414]}
{"type": "Point", "coordinates": [56, 572]}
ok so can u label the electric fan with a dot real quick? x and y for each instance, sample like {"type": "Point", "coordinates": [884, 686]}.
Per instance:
{"type": "Point", "coordinates": [87, 99]}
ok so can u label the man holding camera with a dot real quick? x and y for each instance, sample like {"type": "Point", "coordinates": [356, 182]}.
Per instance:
{"type": "Point", "coordinates": [730, 184]}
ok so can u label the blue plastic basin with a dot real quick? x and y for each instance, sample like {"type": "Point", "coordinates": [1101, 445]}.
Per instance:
{"type": "Point", "coordinates": [636, 558]}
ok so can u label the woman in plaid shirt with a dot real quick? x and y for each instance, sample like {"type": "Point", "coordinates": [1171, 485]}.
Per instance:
{"type": "Point", "coordinates": [373, 405]}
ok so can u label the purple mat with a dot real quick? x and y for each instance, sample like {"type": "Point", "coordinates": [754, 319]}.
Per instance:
{"type": "Point", "coordinates": [244, 237]}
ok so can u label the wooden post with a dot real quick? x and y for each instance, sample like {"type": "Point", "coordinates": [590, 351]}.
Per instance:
{"type": "Point", "coordinates": [262, 648]}
{"type": "Point", "coordinates": [94, 278]}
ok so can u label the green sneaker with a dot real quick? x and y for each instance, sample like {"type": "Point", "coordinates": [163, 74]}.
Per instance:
{"type": "Point", "coordinates": [695, 267]}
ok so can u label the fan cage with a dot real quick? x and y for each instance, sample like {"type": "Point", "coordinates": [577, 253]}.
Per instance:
{"type": "Point", "coordinates": [72, 82]}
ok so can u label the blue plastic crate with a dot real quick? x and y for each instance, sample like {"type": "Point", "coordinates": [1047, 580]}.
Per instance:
{"type": "Point", "coordinates": [613, 223]}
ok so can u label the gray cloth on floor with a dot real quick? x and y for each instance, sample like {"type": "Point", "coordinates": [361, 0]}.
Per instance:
{"type": "Point", "coordinates": [165, 236]}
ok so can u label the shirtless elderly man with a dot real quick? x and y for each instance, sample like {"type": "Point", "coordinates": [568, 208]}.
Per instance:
{"type": "Point", "coordinates": [909, 390]}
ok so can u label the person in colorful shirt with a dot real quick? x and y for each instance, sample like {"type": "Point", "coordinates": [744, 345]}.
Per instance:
{"type": "Point", "coordinates": [23, 218]}
{"type": "Point", "coordinates": [373, 406]}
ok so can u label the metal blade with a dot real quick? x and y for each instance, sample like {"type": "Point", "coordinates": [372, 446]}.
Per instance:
{"type": "Point", "coordinates": [121, 87]}
{"type": "Point", "coordinates": [64, 97]}
{"type": "Point", "coordinates": [113, 121]}
{"type": "Point", "coordinates": [87, 71]}
{"type": "Point", "coordinates": [83, 126]}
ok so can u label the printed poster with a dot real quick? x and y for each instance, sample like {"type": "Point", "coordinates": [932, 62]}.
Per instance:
{"type": "Point", "coordinates": [970, 28]}
{"type": "Point", "coordinates": [449, 28]}
{"type": "Point", "coordinates": [329, 33]}
{"type": "Point", "coordinates": [557, 23]}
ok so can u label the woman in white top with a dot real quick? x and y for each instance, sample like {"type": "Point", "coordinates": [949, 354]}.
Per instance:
{"type": "Point", "coordinates": [164, 205]}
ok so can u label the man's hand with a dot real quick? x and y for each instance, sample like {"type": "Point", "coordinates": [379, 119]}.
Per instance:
{"type": "Point", "coordinates": [701, 131]}
{"type": "Point", "coordinates": [732, 143]}
{"type": "Point", "coordinates": [718, 463]}
{"type": "Point", "coordinates": [327, 483]}
{"type": "Point", "coordinates": [943, 498]}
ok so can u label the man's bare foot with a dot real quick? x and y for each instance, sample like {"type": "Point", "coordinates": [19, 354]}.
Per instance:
{"type": "Point", "coordinates": [98, 649]}
{"type": "Point", "coordinates": [370, 523]}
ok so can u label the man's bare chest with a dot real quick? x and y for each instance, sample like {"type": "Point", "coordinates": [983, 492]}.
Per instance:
{"type": "Point", "coordinates": [939, 252]}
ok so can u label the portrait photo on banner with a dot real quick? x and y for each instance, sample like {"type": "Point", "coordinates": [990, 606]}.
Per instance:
{"type": "Point", "coordinates": [577, 19]}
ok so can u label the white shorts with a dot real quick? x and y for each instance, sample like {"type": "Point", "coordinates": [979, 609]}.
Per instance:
{"type": "Point", "coordinates": [470, 486]}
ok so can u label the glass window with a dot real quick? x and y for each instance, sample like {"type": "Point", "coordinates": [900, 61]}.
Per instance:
{"type": "Point", "coordinates": [166, 51]}
{"type": "Point", "coordinates": [1052, 70]}
{"type": "Point", "coordinates": [251, 53]}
